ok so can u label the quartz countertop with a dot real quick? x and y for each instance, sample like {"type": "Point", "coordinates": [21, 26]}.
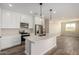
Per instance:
{"type": "Point", "coordinates": [35, 38]}
{"type": "Point", "coordinates": [39, 45]}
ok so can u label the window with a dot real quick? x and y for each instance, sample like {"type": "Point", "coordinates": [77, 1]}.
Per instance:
{"type": "Point", "coordinates": [70, 27]}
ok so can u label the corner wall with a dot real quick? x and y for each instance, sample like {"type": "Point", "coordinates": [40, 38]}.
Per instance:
{"type": "Point", "coordinates": [70, 33]}
{"type": "Point", "coordinates": [55, 27]}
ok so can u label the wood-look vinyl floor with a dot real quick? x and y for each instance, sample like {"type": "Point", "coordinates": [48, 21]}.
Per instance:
{"type": "Point", "coordinates": [67, 45]}
{"type": "Point", "coordinates": [17, 50]}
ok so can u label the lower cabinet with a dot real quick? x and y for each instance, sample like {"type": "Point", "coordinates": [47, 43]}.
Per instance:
{"type": "Point", "coordinates": [9, 41]}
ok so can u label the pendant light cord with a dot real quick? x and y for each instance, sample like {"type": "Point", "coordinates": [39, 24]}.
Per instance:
{"type": "Point", "coordinates": [40, 10]}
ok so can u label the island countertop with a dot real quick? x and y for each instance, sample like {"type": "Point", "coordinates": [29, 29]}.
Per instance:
{"type": "Point", "coordinates": [39, 45]}
{"type": "Point", "coordinates": [35, 38]}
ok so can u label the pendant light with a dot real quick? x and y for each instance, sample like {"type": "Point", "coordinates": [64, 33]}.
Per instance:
{"type": "Point", "coordinates": [41, 11]}
{"type": "Point", "coordinates": [50, 14]}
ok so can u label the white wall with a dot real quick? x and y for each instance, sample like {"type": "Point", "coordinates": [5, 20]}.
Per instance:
{"type": "Point", "coordinates": [0, 22]}
{"type": "Point", "coordinates": [68, 20]}
{"type": "Point", "coordinates": [55, 27]}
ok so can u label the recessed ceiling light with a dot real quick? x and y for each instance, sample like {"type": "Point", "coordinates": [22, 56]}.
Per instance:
{"type": "Point", "coordinates": [10, 5]}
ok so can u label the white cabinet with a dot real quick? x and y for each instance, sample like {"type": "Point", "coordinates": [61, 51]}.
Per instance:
{"type": "Point", "coordinates": [43, 46]}
{"type": "Point", "coordinates": [27, 19]}
{"type": "Point", "coordinates": [24, 19]}
{"type": "Point", "coordinates": [15, 20]}
{"type": "Point", "coordinates": [9, 41]}
{"type": "Point", "coordinates": [40, 45]}
{"type": "Point", "coordinates": [10, 19]}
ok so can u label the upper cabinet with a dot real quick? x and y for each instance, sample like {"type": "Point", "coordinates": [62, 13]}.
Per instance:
{"type": "Point", "coordinates": [16, 20]}
{"type": "Point", "coordinates": [24, 19]}
{"type": "Point", "coordinates": [10, 19]}
{"type": "Point", "coordinates": [27, 19]}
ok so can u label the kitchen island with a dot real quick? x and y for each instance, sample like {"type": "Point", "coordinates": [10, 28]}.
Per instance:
{"type": "Point", "coordinates": [39, 45]}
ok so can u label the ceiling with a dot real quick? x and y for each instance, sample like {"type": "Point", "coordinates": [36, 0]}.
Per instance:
{"type": "Point", "coordinates": [63, 10]}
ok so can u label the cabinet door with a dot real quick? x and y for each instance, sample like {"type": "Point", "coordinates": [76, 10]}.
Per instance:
{"type": "Point", "coordinates": [27, 19]}
{"type": "Point", "coordinates": [6, 19]}
{"type": "Point", "coordinates": [10, 19]}
{"type": "Point", "coordinates": [15, 20]}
